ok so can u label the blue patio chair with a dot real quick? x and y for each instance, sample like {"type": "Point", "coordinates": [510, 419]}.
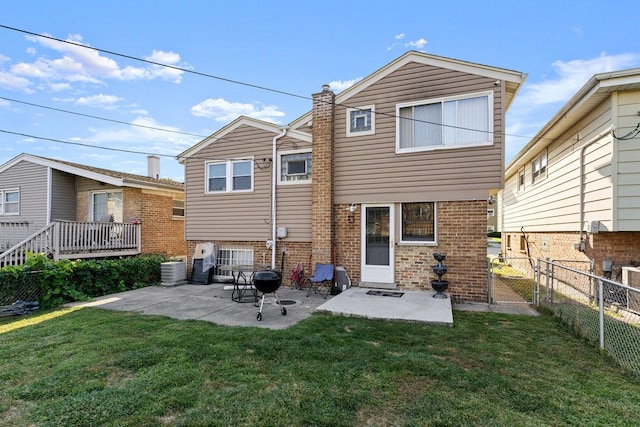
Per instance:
{"type": "Point", "coordinates": [322, 280]}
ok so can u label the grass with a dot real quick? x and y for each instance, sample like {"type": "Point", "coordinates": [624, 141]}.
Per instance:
{"type": "Point", "coordinates": [97, 367]}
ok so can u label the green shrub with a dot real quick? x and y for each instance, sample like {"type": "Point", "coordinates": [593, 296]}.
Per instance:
{"type": "Point", "coordinates": [494, 234]}
{"type": "Point", "coordinates": [59, 282]}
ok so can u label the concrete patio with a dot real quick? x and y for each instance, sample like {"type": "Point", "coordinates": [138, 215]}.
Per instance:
{"type": "Point", "coordinates": [213, 303]}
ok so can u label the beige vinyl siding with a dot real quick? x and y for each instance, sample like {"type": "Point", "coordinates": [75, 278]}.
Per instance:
{"type": "Point", "coordinates": [230, 216]}
{"type": "Point", "coordinates": [32, 180]}
{"type": "Point", "coordinates": [293, 201]}
{"type": "Point", "coordinates": [367, 168]}
{"type": "Point", "coordinates": [553, 204]}
{"type": "Point", "coordinates": [63, 196]}
{"type": "Point", "coordinates": [294, 211]}
{"type": "Point", "coordinates": [628, 164]}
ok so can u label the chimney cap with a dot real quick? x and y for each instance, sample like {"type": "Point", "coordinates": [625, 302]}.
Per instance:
{"type": "Point", "coordinates": [326, 88]}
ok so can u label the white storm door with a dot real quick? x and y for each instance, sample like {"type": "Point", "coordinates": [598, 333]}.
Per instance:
{"type": "Point", "coordinates": [377, 239]}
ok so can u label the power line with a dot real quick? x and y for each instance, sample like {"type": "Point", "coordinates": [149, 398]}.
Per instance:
{"type": "Point", "coordinates": [173, 67]}
{"type": "Point", "coordinates": [101, 118]}
{"type": "Point", "coordinates": [255, 86]}
{"type": "Point", "coordinates": [86, 145]}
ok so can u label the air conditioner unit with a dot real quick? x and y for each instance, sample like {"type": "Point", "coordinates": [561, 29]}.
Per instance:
{"type": "Point", "coordinates": [173, 273]}
{"type": "Point", "coordinates": [631, 278]}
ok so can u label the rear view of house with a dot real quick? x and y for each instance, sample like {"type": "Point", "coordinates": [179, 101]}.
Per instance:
{"type": "Point", "coordinates": [139, 214]}
{"type": "Point", "coordinates": [378, 178]}
{"type": "Point", "coordinates": [573, 193]}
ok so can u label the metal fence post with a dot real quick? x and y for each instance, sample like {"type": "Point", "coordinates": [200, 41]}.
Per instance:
{"type": "Point", "coordinates": [537, 301]}
{"type": "Point", "coordinates": [601, 313]}
{"type": "Point", "coordinates": [489, 266]}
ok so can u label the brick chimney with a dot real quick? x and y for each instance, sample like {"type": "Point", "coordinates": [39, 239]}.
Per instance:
{"type": "Point", "coordinates": [322, 232]}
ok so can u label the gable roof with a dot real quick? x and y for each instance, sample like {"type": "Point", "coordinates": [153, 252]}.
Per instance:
{"type": "Point", "coordinates": [120, 179]}
{"type": "Point", "coordinates": [513, 79]}
{"type": "Point", "coordinates": [241, 121]}
{"type": "Point", "coordinates": [595, 90]}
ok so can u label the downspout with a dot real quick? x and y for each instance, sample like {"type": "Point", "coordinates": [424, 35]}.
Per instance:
{"type": "Point", "coordinates": [582, 180]}
{"type": "Point", "coordinates": [274, 185]}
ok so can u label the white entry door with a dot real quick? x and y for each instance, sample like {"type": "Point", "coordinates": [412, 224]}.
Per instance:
{"type": "Point", "coordinates": [377, 244]}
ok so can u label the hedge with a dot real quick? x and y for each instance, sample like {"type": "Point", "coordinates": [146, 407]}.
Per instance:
{"type": "Point", "coordinates": [54, 283]}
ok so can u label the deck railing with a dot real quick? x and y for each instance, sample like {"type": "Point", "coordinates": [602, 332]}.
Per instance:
{"type": "Point", "coordinates": [68, 239]}
{"type": "Point", "coordinates": [12, 232]}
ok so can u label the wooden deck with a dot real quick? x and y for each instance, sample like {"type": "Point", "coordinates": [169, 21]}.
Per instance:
{"type": "Point", "coordinates": [73, 240]}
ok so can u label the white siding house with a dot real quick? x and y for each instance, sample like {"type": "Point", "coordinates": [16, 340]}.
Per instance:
{"type": "Point", "coordinates": [573, 192]}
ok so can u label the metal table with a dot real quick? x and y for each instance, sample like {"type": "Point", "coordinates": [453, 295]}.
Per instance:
{"type": "Point", "coordinates": [243, 289]}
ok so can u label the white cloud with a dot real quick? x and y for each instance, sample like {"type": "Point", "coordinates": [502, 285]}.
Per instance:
{"type": "Point", "coordinates": [399, 36]}
{"type": "Point", "coordinates": [82, 64]}
{"type": "Point", "coordinates": [3, 58]}
{"type": "Point", "coordinates": [107, 102]}
{"type": "Point", "coordinates": [221, 110]}
{"type": "Point", "coordinates": [539, 101]}
{"type": "Point", "coordinates": [340, 85]}
{"type": "Point", "coordinates": [11, 81]}
{"type": "Point", "coordinates": [418, 44]}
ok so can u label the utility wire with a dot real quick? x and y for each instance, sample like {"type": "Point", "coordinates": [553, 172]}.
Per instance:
{"type": "Point", "coordinates": [173, 67]}
{"type": "Point", "coordinates": [86, 145]}
{"type": "Point", "coordinates": [238, 82]}
{"type": "Point", "coordinates": [100, 118]}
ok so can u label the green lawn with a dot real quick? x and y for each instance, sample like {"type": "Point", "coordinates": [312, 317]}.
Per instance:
{"type": "Point", "coordinates": [102, 368]}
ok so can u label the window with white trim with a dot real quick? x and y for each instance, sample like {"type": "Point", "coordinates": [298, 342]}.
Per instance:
{"type": "Point", "coordinates": [491, 212]}
{"type": "Point", "coordinates": [177, 209]}
{"type": "Point", "coordinates": [229, 176]}
{"type": "Point", "coordinates": [106, 206]}
{"type": "Point", "coordinates": [539, 168]}
{"type": "Point", "coordinates": [521, 176]}
{"type": "Point", "coordinates": [10, 202]}
{"type": "Point", "coordinates": [294, 166]}
{"type": "Point", "coordinates": [229, 257]}
{"type": "Point", "coordinates": [445, 123]}
{"type": "Point", "coordinates": [418, 222]}
{"type": "Point", "coordinates": [361, 121]}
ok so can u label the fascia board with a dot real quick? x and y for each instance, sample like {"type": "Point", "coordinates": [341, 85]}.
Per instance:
{"type": "Point", "coordinates": [64, 168]}
{"type": "Point", "coordinates": [240, 121]}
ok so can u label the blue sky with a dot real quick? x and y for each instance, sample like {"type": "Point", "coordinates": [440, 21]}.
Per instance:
{"type": "Point", "coordinates": [289, 46]}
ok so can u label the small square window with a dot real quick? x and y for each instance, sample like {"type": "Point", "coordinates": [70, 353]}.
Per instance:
{"type": "Point", "coordinates": [178, 209]}
{"type": "Point", "coordinates": [295, 167]}
{"type": "Point", "coordinates": [361, 121]}
{"type": "Point", "coordinates": [418, 222]}
{"type": "Point", "coordinates": [491, 212]}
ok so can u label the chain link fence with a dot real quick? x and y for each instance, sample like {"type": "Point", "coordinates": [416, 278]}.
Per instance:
{"type": "Point", "coordinates": [19, 292]}
{"type": "Point", "coordinates": [512, 280]}
{"type": "Point", "coordinates": [604, 312]}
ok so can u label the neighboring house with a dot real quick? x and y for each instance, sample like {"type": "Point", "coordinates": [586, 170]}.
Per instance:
{"type": "Point", "coordinates": [575, 188]}
{"type": "Point", "coordinates": [492, 213]}
{"type": "Point", "coordinates": [37, 191]}
{"type": "Point", "coordinates": [381, 176]}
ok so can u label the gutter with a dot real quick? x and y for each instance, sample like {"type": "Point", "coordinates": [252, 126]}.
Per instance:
{"type": "Point", "coordinates": [274, 184]}
{"type": "Point", "coordinates": [582, 178]}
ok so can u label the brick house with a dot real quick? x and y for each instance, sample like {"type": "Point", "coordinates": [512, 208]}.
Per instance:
{"type": "Point", "coordinates": [45, 190]}
{"type": "Point", "coordinates": [573, 192]}
{"type": "Point", "coordinates": [381, 176]}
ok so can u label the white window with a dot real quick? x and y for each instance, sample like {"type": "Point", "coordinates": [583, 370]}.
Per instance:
{"type": "Point", "coordinates": [178, 209]}
{"type": "Point", "coordinates": [294, 166]}
{"type": "Point", "coordinates": [521, 180]}
{"type": "Point", "coordinates": [106, 206]}
{"type": "Point", "coordinates": [361, 121]}
{"type": "Point", "coordinates": [232, 257]}
{"type": "Point", "coordinates": [490, 213]}
{"type": "Point", "coordinates": [418, 222]}
{"type": "Point", "coordinates": [539, 168]}
{"type": "Point", "coordinates": [445, 123]}
{"type": "Point", "coordinates": [10, 202]}
{"type": "Point", "coordinates": [491, 229]}
{"type": "Point", "coordinates": [229, 176]}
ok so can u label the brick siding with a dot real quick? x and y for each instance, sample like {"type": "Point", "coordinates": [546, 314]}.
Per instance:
{"type": "Point", "coordinates": [623, 248]}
